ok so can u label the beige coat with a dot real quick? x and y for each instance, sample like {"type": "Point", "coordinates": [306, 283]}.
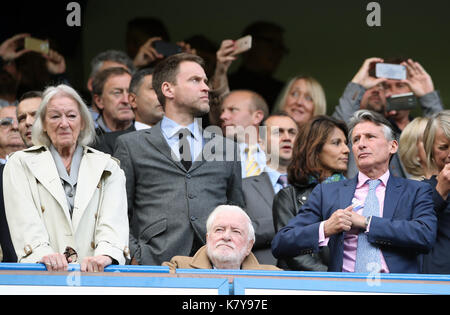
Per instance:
{"type": "Point", "coordinates": [38, 213]}
{"type": "Point", "coordinates": [201, 261]}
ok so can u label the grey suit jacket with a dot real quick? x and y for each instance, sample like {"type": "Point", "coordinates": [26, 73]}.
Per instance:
{"type": "Point", "coordinates": [258, 195]}
{"type": "Point", "coordinates": [167, 205]}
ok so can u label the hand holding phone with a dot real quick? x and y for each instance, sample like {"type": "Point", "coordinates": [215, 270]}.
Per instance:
{"type": "Point", "coordinates": [405, 101]}
{"type": "Point", "coordinates": [12, 48]}
{"type": "Point", "coordinates": [390, 71]}
{"type": "Point", "coordinates": [242, 45]}
{"type": "Point", "coordinates": [418, 79]}
{"type": "Point", "coordinates": [167, 49]}
{"type": "Point", "coordinates": [147, 53]}
{"type": "Point", "coordinates": [364, 77]}
{"type": "Point", "coordinates": [37, 45]}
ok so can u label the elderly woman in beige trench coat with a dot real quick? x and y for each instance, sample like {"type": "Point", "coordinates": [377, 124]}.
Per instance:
{"type": "Point", "coordinates": [65, 202]}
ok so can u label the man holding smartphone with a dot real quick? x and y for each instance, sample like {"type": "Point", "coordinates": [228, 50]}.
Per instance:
{"type": "Point", "coordinates": [359, 93]}
{"type": "Point", "coordinates": [366, 91]}
{"type": "Point", "coordinates": [419, 82]}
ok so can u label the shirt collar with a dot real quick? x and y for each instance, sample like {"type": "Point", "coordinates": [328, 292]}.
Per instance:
{"type": "Point", "coordinates": [140, 126]}
{"type": "Point", "coordinates": [273, 175]}
{"type": "Point", "coordinates": [362, 179]}
{"type": "Point", "coordinates": [171, 128]}
{"type": "Point", "coordinates": [101, 123]}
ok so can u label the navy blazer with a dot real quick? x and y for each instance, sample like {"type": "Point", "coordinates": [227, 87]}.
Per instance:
{"type": "Point", "coordinates": [438, 259]}
{"type": "Point", "coordinates": [407, 229]}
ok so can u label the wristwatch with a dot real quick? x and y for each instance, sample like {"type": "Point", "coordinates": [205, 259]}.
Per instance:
{"type": "Point", "coordinates": [367, 222]}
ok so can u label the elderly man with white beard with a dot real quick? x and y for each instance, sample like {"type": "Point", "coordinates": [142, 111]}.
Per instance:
{"type": "Point", "coordinates": [229, 241]}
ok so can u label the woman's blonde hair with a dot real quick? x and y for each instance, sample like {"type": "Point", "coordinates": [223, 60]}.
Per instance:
{"type": "Point", "coordinates": [315, 89]}
{"type": "Point", "coordinates": [442, 120]}
{"type": "Point", "coordinates": [408, 150]}
{"type": "Point", "coordinates": [40, 137]}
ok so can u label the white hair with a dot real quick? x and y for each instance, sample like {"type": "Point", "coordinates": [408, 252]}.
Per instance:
{"type": "Point", "coordinates": [229, 208]}
{"type": "Point", "coordinates": [364, 115]}
{"type": "Point", "coordinates": [40, 137]}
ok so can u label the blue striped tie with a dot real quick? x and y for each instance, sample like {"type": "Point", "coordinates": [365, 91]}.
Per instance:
{"type": "Point", "coordinates": [368, 256]}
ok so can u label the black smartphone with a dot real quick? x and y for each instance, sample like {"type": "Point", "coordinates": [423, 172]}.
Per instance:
{"type": "Point", "coordinates": [405, 101]}
{"type": "Point", "coordinates": [166, 49]}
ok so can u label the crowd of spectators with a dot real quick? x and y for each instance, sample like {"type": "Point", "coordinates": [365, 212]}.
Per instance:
{"type": "Point", "coordinates": [175, 161]}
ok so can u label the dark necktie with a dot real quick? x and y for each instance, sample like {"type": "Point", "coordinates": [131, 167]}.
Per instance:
{"type": "Point", "coordinates": [283, 181]}
{"type": "Point", "coordinates": [185, 149]}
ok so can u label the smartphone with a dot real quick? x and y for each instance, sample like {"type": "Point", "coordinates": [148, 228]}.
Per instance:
{"type": "Point", "coordinates": [390, 71]}
{"type": "Point", "coordinates": [37, 45]}
{"type": "Point", "coordinates": [167, 49]}
{"type": "Point", "coordinates": [405, 101]}
{"type": "Point", "coordinates": [242, 45]}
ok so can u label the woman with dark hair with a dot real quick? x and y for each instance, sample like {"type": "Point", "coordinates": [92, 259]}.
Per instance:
{"type": "Point", "coordinates": [320, 156]}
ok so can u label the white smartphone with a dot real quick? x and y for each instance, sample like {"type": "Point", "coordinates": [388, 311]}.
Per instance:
{"type": "Point", "coordinates": [243, 44]}
{"type": "Point", "coordinates": [390, 71]}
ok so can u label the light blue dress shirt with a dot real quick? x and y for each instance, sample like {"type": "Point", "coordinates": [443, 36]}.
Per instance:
{"type": "Point", "coordinates": [170, 131]}
{"type": "Point", "coordinates": [274, 175]}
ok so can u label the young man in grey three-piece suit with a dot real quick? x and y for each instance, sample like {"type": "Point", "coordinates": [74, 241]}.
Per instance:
{"type": "Point", "coordinates": [172, 190]}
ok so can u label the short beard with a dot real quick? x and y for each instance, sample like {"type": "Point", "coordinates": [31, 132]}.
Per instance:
{"type": "Point", "coordinates": [218, 260]}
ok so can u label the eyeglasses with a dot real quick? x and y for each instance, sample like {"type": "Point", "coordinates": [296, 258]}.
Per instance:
{"type": "Point", "coordinates": [6, 122]}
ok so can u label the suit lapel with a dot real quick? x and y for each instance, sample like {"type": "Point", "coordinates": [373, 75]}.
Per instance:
{"type": "Point", "coordinates": [212, 148]}
{"type": "Point", "coordinates": [392, 195]}
{"type": "Point", "coordinates": [91, 170]}
{"type": "Point", "coordinates": [157, 140]}
{"type": "Point", "coordinates": [206, 154]}
{"type": "Point", "coordinates": [346, 192]}
{"type": "Point", "coordinates": [43, 168]}
{"type": "Point", "coordinates": [263, 186]}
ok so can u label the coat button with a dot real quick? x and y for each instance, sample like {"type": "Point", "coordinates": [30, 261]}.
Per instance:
{"type": "Point", "coordinates": [193, 218]}
{"type": "Point", "coordinates": [126, 252]}
{"type": "Point", "coordinates": [93, 245]}
{"type": "Point", "coordinates": [42, 209]}
{"type": "Point", "coordinates": [28, 250]}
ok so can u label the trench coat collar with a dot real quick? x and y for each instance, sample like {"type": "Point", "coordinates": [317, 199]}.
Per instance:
{"type": "Point", "coordinates": [92, 167]}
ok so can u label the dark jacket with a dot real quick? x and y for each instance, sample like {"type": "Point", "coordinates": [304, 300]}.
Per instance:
{"type": "Point", "coordinates": [106, 141]}
{"type": "Point", "coordinates": [286, 205]}
{"type": "Point", "coordinates": [438, 259]}
{"type": "Point", "coordinates": [168, 205]}
{"type": "Point", "coordinates": [9, 254]}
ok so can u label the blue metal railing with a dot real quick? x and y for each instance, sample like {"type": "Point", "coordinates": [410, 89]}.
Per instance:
{"type": "Point", "coordinates": [235, 282]}
{"type": "Point", "coordinates": [76, 267]}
